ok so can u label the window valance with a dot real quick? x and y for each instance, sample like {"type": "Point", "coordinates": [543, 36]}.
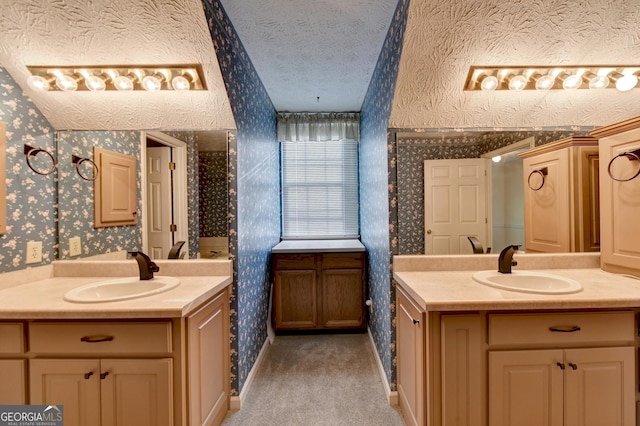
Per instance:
{"type": "Point", "coordinates": [300, 127]}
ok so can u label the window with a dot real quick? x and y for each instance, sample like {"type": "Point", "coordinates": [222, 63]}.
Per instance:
{"type": "Point", "coordinates": [319, 189]}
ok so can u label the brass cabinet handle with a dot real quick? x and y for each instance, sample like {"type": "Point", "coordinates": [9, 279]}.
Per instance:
{"type": "Point", "coordinates": [573, 366]}
{"type": "Point", "coordinates": [104, 375]}
{"type": "Point", "coordinates": [564, 329]}
{"type": "Point", "coordinates": [561, 365]}
{"type": "Point", "coordinates": [96, 339]}
{"type": "Point", "coordinates": [87, 375]}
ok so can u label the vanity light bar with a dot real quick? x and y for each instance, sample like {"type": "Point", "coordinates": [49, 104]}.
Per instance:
{"type": "Point", "coordinates": [542, 78]}
{"type": "Point", "coordinates": [116, 78]}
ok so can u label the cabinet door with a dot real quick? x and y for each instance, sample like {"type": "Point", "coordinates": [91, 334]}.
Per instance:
{"type": "Point", "coordinates": [115, 189]}
{"type": "Point", "coordinates": [295, 299]}
{"type": "Point", "coordinates": [342, 298]}
{"type": "Point", "coordinates": [208, 351]}
{"type": "Point", "coordinates": [526, 388]}
{"type": "Point", "coordinates": [547, 209]}
{"type": "Point", "coordinates": [72, 383]}
{"type": "Point", "coordinates": [620, 227]}
{"type": "Point", "coordinates": [136, 392]}
{"type": "Point", "coordinates": [599, 387]}
{"type": "Point", "coordinates": [410, 325]}
{"type": "Point", "coordinates": [12, 382]}
{"type": "Point", "coordinates": [462, 370]}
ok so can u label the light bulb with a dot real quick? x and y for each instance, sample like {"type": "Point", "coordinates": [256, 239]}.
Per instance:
{"type": "Point", "coordinates": [572, 81]}
{"type": "Point", "coordinates": [496, 159]}
{"type": "Point", "coordinates": [95, 83]}
{"type": "Point", "coordinates": [180, 83]}
{"type": "Point", "coordinates": [151, 82]}
{"type": "Point", "coordinates": [545, 82]}
{"type": "Point", "coordinates": [123, 82]}
{"type": "Point", "coordinates": [517, 82]}
{"type": "Point", "coordinates": [66, 83]}
{"type": "Point", "coordinates": [599, 82]}
{"type": "Point", "coordinates": [490, 82]}
{"type": "Point", "coordinates": [37, 82]}
{"type": "Point", "coordinates": [626, 82]}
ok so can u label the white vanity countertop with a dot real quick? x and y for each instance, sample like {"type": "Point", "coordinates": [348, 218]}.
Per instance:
{"type": "Point", "coordinates": [43, 298]}
{"type": "Point", "coordinates": [445, 283]}
{"type": "Point", "coordinates": [457, 291]}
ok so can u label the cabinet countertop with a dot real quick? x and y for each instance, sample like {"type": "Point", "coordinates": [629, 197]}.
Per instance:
{"type": "Point", "coordinates": [43, 299]}
{"type": "Point", "coordinates": [318, 246]}
{"type": "Point", "coordinates": [457, 291]}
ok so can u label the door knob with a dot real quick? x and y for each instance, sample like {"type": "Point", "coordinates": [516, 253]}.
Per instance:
{"type": "Point", "coordinates": [429, 231]}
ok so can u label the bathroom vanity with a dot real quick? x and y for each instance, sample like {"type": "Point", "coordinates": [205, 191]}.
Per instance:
{"type": "Point", "coordinates": [470, 354]}
{"type": "Point", "coordinates": [162, 359]}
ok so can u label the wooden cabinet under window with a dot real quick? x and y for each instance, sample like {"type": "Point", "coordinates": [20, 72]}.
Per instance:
{"type": "Point", "coordinates": [318, 291]}
{"type": "Point", "coordinates": [561, 196]}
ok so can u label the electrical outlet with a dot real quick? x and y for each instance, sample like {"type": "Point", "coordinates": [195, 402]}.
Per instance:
{"type": "Point", "coordinates": [75, 247]}
{"type": "Point", "coordinates": [34, 252]}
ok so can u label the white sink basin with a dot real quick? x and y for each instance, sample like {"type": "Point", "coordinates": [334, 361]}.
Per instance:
{"type": "Point", "coordinates": [528, 282]}
{"type": "Point", "coordinates": [120, 289]}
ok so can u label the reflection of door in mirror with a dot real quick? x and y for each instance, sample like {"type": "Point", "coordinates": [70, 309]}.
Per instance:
{"type": "Point", "coordinates": [455, 205]}
{"type": "Point", "coordinates": [165, 194]}
{"type": "Point", "coordinates": [3, 167]}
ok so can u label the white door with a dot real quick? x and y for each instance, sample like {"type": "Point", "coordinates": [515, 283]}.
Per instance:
{"type": "Point", "coordinates": [455, 205]}
{"type": "Point", "coordinates": [159, 212]}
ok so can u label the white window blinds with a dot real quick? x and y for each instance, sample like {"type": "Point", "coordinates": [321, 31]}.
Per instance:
{"type": "Point", "coordinates": [319, 189]}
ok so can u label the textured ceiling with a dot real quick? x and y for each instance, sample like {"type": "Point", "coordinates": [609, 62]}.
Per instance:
{"type": "Point", "coordinates": [313, 55]}
{"type": "Point", "coordinates": [305, 49]}
{"type": "Point", "coordinates": [444, 38]}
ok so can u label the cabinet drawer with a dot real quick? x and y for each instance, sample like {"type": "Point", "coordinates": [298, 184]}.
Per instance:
{"type": "Point", "coordinates": [342, 260]}
{"type": "Point", "coordinates": [561, 328]}
{"type": "Point", "coordinates": [11, 338]}
{"type": "Point", "coordinates": [100, 337]}
{"type": "Point", "coordinates": [294, 261]}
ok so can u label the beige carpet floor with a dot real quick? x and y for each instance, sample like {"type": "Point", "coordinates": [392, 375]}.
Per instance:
{"type": "Point", "coordinates": [328, 379]}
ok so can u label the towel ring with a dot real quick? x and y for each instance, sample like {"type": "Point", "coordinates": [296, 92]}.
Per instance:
{"type": "Point", "coordinates": [31, 152]}
{"type": "Point", "coordinates": [633, 155]}
{"type": "Point", "coordinates": [542, 172]}
{"type": "Point", "coordinates": [78, 161]}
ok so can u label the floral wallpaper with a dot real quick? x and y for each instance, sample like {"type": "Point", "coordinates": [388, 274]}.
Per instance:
{"type": "Point", "coordinates": [31, 198]}
{"type": "Point", "coordinates": [413, 148]}
{"type": "Point", "coordinates": [212, 174]}
{"type": "Point", "coordinates": [254, 160]}
{"type": "Point", "coordinates": [374, 184]}
{"type": "Point", "coordinates": [75, 194]}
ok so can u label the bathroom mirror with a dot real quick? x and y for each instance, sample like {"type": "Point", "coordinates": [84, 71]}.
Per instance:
{"type": "Point", "coordinates": [413, 148]}
{"type": "Point", "coordinates": [3, 173]}
{"type": "Point", "coordinates": [75, 194]}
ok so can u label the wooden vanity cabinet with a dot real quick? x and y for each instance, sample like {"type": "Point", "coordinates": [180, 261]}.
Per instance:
{"type": "Point", "coordinates": [535, 368]}
{"type": "Point", "coordinates": [410, 335]}
{"type": "Point", "coordinates": [13, 364]}
{"type": "Point", "coordinates": [561, 196]}
{"type": "Point", "coordinates": [172, 371]}
{"type": "Point", "coordinates": [620, 251]}
{"type": "Point", "coordinates": [314, 291]}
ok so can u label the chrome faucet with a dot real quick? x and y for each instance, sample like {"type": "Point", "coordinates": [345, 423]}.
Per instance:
{"type": "Point", "coordinates": [146, 266]}
{"type": "Point", "coordinates": [505, 260]}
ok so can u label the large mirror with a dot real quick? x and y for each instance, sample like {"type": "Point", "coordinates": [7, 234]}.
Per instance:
{"type": "Point", "coordinates": [3, 171]}
{"type": "Point", "coordinates": [504, 202]}
{"type": "Point", "coordinates": [170, 205]}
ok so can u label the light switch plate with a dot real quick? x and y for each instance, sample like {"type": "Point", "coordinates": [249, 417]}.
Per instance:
{"type": "Point", "coordinates": [75, 247]}
{"type": "Point", "coordinates": [34, 252]}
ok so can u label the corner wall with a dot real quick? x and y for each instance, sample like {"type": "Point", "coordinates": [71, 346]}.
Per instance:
{"type": "Point", "coordinates": [374, 211]}
{"type": "Point", "coordinates": [257, 168]}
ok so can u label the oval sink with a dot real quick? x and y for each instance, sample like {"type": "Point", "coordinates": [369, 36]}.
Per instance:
{"type": "Point", "coordinates": [120, 289]}
{"type": "Point", "coordinates": [528, 282]}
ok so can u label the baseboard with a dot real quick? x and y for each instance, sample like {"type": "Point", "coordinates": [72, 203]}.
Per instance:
{"type": "Point", "coordinates": [235, 402]}
{"type": "Point", "coordinates": [392, 396]}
